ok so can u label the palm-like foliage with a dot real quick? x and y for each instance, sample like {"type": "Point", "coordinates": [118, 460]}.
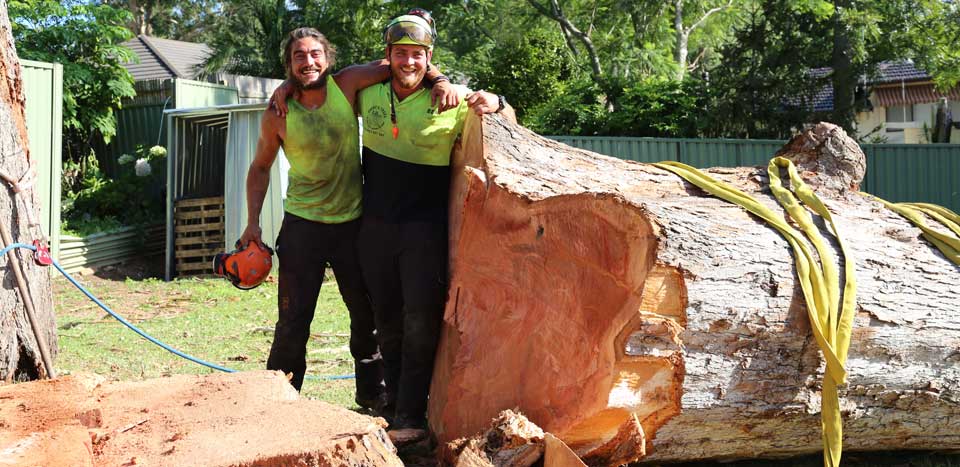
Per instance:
{"type": "Point", "coordinates": [249, 39]}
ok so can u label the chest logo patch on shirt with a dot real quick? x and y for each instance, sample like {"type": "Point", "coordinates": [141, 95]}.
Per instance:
{"type": "Point", "coordinates": [375, 118]}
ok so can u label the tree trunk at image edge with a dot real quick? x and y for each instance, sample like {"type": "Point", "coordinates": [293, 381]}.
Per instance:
{"type": "Point", "coordinates": [20, 358]}
{"type": "Point", "coordinates": [636, 317]}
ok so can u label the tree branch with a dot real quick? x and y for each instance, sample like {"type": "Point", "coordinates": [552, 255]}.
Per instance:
{"type": "Point", "coordinates": [556, 14]}
{"type": "Point", "coordinates": [707, 15]}
{"type": "Point", "coordinates": [693, 66]}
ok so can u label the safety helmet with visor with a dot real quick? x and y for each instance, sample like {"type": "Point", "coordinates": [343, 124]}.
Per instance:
{"type": "Point", "coordinates": [409, 29]}
{"type": "Point", "coordinates": [245, 267]}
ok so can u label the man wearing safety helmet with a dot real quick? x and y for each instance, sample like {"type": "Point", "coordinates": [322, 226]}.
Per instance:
{"type": "Point", "coordinates": [403, 239]}
{"type": "Point", "coordinates": [320, 138]}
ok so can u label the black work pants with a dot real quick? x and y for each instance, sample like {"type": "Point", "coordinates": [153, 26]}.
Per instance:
{"type": "Point", "coordinates": [304, 248]}
{"type": "Point", "coordinates": [405, 268]}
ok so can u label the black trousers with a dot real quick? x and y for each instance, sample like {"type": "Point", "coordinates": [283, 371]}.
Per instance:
{"type": "Point", "coordinates": [405, 268]}
{"type": "Point", "coordinates": [304, 248]}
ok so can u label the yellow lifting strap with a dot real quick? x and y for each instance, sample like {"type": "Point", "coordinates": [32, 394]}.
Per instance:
{"type": "Point", "coordinates": [831, 320]}
{"type": "Point", "coordinates": [947, 244]}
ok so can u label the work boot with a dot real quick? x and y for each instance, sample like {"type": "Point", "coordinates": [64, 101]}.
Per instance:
{"type": "Point", "coordinates": [369, 376]}
{"type": "Point", "coordinates": [404, 431]}
{"type": "Point", "coordinates": [368, 403]}
{"type": "Point", "coordinates": [388, 406]}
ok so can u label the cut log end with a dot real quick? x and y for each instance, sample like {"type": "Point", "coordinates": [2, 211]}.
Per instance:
{"type": "Point", "coordinates": [833, 159]}
{"type": "Point", "coordinates": [622, 351]}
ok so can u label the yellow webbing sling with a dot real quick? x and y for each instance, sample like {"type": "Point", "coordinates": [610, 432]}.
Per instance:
{"type": "Point", "coordinates": [830, 320]}
{"type": "Point", "coordinates": [948, 245]}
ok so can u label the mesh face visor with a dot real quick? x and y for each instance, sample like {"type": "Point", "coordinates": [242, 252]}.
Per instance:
{"type": "Point", "coordinates": [405, 32]}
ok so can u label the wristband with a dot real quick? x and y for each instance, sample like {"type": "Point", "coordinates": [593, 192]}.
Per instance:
{"type": "Point", "coordinates": [503, 103]}
{"type": "Point", "coordinates": [432, 82]}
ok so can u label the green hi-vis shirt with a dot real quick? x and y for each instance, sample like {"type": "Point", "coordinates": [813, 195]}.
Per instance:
{"type": "Point", "coordinates": [425, 137]}
{"type": "Point", "coordinates": [323, 148]}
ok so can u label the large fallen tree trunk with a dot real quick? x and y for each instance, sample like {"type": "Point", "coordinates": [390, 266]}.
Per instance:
{"type": "Point", "coordinates": [636, 317]}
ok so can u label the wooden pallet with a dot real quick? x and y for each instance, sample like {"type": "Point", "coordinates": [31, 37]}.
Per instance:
{"type": "Point", "coordinates": [198, 234]}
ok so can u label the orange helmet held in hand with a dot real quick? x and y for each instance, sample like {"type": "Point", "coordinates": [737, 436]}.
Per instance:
{"type": "Point", "coordinates": [247, 267]}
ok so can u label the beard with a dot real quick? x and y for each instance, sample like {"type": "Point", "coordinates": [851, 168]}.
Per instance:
{"type": "Point", "coordinates": [409, 81]}
{"type": "Point", "coordinates": [320, 83]}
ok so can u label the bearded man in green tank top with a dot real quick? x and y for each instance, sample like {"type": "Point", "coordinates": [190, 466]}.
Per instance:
{"type": "Point", "coordinates": [320, 138]}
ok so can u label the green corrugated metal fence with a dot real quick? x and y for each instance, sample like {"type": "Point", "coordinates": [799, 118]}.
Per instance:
{"type": "Point", "coordinates": [190, 94]}
{"type": "Point", "coordinates": [696, 152]}
{"type": "Point", "coordinates": [914, 172]}
{"type": "Point", "coordinates": [104, 249]}
{"type": "Point", "coordinates": [896, 172]}
{"type": "Point", "coordinates": [43, 89]}
{"type": "Point", "coordinates": [140, 121]}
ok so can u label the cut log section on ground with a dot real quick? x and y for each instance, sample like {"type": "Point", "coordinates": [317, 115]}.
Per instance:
{"type": "Point", "coordinates": [511, 441]}
{"type": "Point", "coordinates": [235, 419]}
{"type": "Point", "coordinates": [636, 317]}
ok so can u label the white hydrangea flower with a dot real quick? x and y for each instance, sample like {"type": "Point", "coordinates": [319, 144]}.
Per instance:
{"type": "Point", "coordinates": [142, 168]}
{"type": "Point", "coordinates": [158, 151]}
{"type": "Point", "coordinates": [125, 159]}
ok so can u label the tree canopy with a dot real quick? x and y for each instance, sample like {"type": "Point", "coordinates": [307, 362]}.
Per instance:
{"type": "Point", "coordinates": [715, 68]}
{"type": "Point", "coordinates": [86, 39]}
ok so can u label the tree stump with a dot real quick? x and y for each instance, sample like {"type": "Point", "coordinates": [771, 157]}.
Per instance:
{"type": "Point", "coordinates": [638, 318]}
{"type": "Point", "coordinates": [20, 356]}
{"type": "Point", "coordinates": [251, 418]}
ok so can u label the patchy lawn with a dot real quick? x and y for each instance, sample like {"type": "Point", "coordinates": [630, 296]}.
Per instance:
{"type": "Point", "coordinates": [206, 318]}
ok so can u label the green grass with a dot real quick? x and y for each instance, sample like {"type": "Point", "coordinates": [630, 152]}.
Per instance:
{"type": "Point", "coordinates": [206, 318]}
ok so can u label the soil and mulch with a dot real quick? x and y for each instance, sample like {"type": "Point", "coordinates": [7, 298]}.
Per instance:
{"type": "Point", "coordinates": [227, 419]}
{"type": "Point", "coordinates": [250, 418]}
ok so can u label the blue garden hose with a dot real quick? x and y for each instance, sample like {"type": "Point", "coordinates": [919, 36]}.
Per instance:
{"type": "Point", "coordinates": [138, 330]}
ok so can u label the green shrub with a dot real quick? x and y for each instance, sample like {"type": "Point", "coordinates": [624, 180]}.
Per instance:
{"type": "Point", "coordinates": [529, 69]}
{"type": "Point", "coordinates": [575, 109]}
{"type": "Point", "coordinates": [657, 107]}
{"type": "Point", "coordinates": [102, 204]}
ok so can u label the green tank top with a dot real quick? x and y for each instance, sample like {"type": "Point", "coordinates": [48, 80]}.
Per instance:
{"type": "Point", "coordinates": [323, 148]}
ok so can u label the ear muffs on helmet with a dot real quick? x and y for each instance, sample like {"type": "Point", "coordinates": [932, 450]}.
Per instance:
{"type": "Point", "coordinates": [247, 267]}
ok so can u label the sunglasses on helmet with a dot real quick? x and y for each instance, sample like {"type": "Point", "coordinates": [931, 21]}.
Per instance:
{"type": "Point", "coordinates": [413, 31]}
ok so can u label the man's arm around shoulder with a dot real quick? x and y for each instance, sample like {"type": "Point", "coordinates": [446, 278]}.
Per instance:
{"type": "Point", "coordinates": [355, 78]}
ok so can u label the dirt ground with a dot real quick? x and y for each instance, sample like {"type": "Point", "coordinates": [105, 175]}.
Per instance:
{"type": "Point", "coordinates": [138, 432]}
{"type": "Point", "coordinates": [238, 419]}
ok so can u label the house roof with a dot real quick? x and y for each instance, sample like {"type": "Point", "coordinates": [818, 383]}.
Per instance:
{"type": "Point", "coordinates": [823, 99]}
{"type": "Point", "coordinates": [900, 73]}
{"type": "Point", "coordinates": [918, 93]}
{"type": "Point", "coordinates": [895, 72]}
{"type": "Point", "coordinates": [165, 58]}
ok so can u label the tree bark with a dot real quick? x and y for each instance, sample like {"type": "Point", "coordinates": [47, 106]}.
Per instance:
{"type": "Point", "coordinates": [591, 293]}
{"type": "Point", "coordinates": [20, 357]}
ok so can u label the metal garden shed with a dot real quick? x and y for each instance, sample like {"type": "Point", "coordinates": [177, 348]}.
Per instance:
{"type": "Point", "coordinates": [209, 152]}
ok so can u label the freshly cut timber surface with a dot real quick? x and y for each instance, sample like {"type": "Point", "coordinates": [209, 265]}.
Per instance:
{"type": "Point", "coordinates": [638, 318]}
{"type": "Point", "coordinates": [235, 419]}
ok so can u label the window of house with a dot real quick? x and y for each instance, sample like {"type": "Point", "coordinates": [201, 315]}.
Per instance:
{"type": "Point", "coordinates": [900, 113]}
